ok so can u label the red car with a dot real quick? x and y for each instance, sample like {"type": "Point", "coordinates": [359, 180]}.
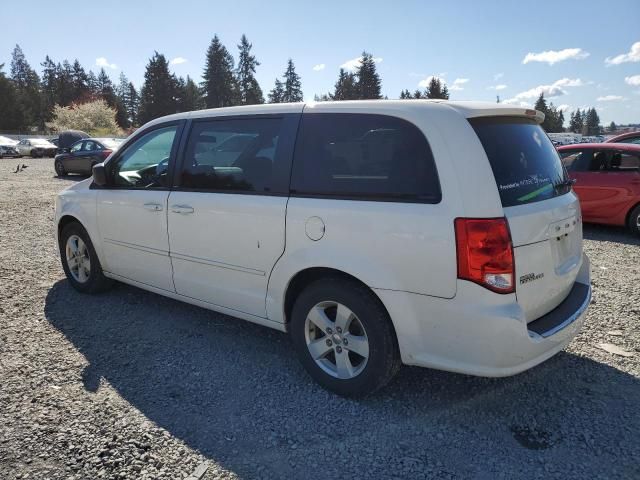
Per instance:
{"type": "Point", "coordinates": [630, 137]}
{"type": "Point", "coordinates": [607, 179]}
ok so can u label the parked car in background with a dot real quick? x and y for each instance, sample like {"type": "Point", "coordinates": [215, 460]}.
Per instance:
{"type": "Point", "coordinates": [84, 154]}
{"type": "Point", "coordinates": [8, 148]}
{"type": "Point", "coordinates": [630, 137]}
{"type": "Point", "coordinates": [37, 147]}
{"type": "Point", "coordinates": [607, 179]}
{"type": "Point", "coordinates": [8, 141]}
{"type": "Point", "coordinates": [439, 234]}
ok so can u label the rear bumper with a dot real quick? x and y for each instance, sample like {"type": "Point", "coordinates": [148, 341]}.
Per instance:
{"type": "Point", "coordinates": [481, 333]}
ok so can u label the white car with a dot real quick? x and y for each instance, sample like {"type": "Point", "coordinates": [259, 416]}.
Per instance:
{"type": "Point", "coordinates": [377, 233]}
{"type": "Point", "coordinates": [37, 147]}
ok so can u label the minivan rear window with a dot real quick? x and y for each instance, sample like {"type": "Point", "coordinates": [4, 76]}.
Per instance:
{"type": "Point", "coordinates": [525, 164]}
{"type": "Point", "coordinates": [363, 157]}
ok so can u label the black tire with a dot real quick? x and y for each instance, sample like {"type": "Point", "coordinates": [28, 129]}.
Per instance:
{"type": "Point", "coordinates": [60, 171]}
{"type": "Point", "coordinates": [96, 281]}
{"type": "Point", "coordinates": [383, 357]}
{"type": "Point", "coordinates": [634, 220]}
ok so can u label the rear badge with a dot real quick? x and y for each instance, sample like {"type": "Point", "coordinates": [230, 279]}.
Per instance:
{"type": "Point", "coordinates": [530, 277]}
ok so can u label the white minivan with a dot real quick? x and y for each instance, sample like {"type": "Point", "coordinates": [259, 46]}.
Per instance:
{"type": "Point", "coordinates": [377, 233]}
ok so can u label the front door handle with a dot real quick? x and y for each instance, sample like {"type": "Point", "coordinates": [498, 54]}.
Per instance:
{"type": "Point", "coordinates": [182, 209]}
{"type": "Point", "coordinates": [154, 207]}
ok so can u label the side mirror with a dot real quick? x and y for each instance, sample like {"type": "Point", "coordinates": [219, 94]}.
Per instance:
{"type": "Point", "coordinates": [99, 174]}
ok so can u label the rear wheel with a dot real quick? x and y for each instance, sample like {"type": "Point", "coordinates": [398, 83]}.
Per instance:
{"type": "Point", "coordinates": [34, 153]}
{"type": "Point", "coordinates": [634, 220]}
{"type": "Point", "coordinates": [80, 261]}
{"type": "Point", "coordinates": [344, 337]}
{"type": "Point", "coordinates": [60, 171]}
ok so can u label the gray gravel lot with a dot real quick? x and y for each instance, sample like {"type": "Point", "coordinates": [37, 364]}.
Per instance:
{"type": "Point", "coordinates": [129, 384]}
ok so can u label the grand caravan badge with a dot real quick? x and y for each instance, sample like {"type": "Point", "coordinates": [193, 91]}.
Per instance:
{"type": "Point", "coordinates": [530, 277]}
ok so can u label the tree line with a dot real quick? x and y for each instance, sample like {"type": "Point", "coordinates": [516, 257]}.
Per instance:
{"type": "Point", "coordinates": [585, 122]}
{"type": "Point", "coordinates": [29, 100]}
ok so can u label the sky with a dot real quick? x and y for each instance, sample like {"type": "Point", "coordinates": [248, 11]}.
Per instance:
{"type": "Point", "coordinates": [581, 54]}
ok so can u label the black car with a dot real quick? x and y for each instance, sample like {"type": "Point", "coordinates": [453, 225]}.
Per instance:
{"type": "Point", "coordinates": [67, 138]}
{"type": "Point", "coordinates": [84, 154]}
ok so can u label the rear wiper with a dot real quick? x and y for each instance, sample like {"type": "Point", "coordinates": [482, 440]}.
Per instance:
{"type": "Point", "coordinates": [568, 183]}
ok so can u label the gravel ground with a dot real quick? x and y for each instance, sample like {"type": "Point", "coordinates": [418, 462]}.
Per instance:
{"type": "Point", "coordinates": [129, 384]}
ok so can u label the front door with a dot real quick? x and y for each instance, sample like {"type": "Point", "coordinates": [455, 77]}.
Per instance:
{"type": "Point", "coordinates": [132, 209]}
{"type": "Point", "coordinates": [227, 217]}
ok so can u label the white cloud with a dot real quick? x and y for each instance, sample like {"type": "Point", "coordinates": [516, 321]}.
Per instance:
{"type": "Point", "coordinates": [634, 80]}
{"type": "Point", "coordinates": [555, 56]}
{"type": "Point", "coordinates": [632, 56]}
{"type": "Point", "coordinates": [319, 67]}
{"type": "Point", "coordinates": [178, 61]}
{"type": "Point", "coordinates": [498, 76]}
{"type": "Point", "coordinates": [458, 84]}
{"type": "Point", "coordinates": [355, 63]}
{"type": "Point", "coordinates": [501, 86]}
{"type": "Point", "coordinates": [556, 89]}
{"type": "Point", "coordinates": [610, 98]}
{"type": "Point", "coordinates": [102, 62]}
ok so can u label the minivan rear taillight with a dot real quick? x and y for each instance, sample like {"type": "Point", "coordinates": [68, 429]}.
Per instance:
{"type": "Point", "coordinates": [485, 253]}
{"type": "Point", "coordinates": [106, 153]}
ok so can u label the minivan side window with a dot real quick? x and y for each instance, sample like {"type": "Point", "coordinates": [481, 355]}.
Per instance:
{"type": "Point", "coordinates": [232, 155]}
{"type": "Point", "coordinates": [145, 162]}
{"type": "Point", "coordinates": [363, 156]}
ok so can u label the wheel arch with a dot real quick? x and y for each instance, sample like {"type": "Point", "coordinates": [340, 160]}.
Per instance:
{"type": "Point", "coordinates": [627, 217]}
{"type": "Point", "coordinates": [307, 276]}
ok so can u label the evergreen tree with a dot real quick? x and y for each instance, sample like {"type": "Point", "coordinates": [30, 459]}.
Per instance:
{"type": "Point", "coordinates": [583, 122]}
{"type": "Point", "coordinates": [219, 84]}
{"type": "Point", "coordinates": [325, 97]}
{"type": "Point", "coordinates": [107, 92]}
{"type": "Point", "coordinates": [123, 115]}
{"type": "Point", "coordinates": [190, 97]}
{"type": "Point", "coordinates": [369, 84]}
{"type": "Point", "coordinates": [158, 93]}
{"type": "Point", "coordinates": [133, 104]}
{"type": "Point", "coordinates": [593, 122]}
{"type": "Point", "coordinates": [292, 84]}
{"type": "Point", "coordinates": [418, 94]}
{"type": "Point", "coordinates": [576, 124]}
{"type": "Point", "coordinates": [345, 87]}
{"type": "Point", "coordinates": [48, 88]}
{"type": "Point", "coordinates": [27, 86]}
{"type": "Point", "coordinates": [277, 94]}
{"type": "Point", "coordinates": [80, 82]}
{"type": "Point", "coordinates": [92, 83]}
{"type": "Point", "coordinates": [436, 89]}
{"type": "Point", "coordinates": [66, 90]}
{"type": "Point", "coordinates": [250, 91]}
{"type": "Point", "coordinates": [613, 127]}
{"type": "Point", "coordinates": [405, 95]}
{"type": "Point", "coordinates": [11, 117]}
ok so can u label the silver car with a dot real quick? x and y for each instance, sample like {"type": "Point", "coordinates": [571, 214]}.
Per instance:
{"type": "Point", "coordinates": [37, 147]}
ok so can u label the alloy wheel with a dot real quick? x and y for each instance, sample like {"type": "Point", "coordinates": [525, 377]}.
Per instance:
{"type": "Point", "coordinates": [336, 340]}
{"type": "Point", "coordinates": [78, 259]}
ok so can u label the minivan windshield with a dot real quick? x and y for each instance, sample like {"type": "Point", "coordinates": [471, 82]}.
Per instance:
{"type": "Point", "coordinates": [525, 164]}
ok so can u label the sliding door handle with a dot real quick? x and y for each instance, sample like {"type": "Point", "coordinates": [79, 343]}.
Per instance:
{"type": "Point", "coordinates": [182, 209]}
{"type": "Point", "coordinates": [153, 207]}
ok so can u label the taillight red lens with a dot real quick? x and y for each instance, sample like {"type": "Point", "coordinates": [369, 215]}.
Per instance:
{"type": "Point", "coordinates": [485, 253]}
{"type": "Point", "coordinates": [106, 153]}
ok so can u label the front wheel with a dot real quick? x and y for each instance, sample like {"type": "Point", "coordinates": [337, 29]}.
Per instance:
{"type": "Point", "coordinates": [60, 171]}
{"type": "Point", "coordinates": [80, 261]}
{"type": "Point", "coordinates": [344, 337]}
{"type": "Point", "coordinates": [634, 220]}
